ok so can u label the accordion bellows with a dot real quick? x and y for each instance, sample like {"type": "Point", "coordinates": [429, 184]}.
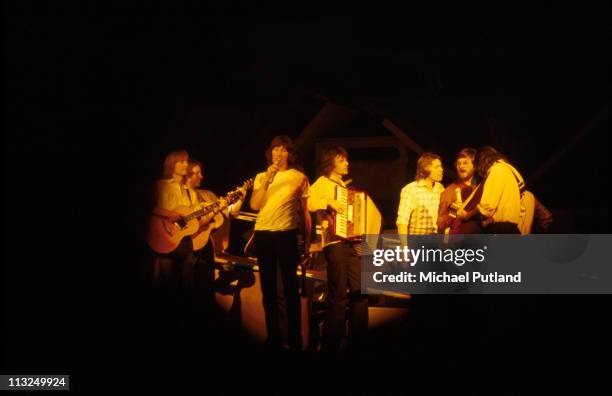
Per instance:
{"type": "Point", "coordinates": [360, 217]}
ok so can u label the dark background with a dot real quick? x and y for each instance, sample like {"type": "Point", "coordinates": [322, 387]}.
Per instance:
{"type": "Point", "coordinates": [98, 93]}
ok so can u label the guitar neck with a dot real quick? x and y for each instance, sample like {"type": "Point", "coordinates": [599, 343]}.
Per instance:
{"type": "Point", "coordinates": [201, 212]}
{"type": "Point", "coordinates": [231, 197]}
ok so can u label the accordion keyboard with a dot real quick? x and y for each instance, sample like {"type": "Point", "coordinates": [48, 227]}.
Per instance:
{"type": "Point", "coordinates": [342, 218]}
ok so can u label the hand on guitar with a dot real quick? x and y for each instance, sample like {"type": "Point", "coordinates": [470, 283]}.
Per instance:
{"type": "Point", "coordinates": [486, 210]}
{"type": "Point", "coordinates": [462, 214]}
{"type": "Point", "coordinates": [172, 217]}
{"type": "Point", "coordinates": [207, 218]}
{"type": "Point", "coordinates": [243, 192]}
{"type": "Point", "coordinates": [222, 204]}
{"type": "Point", "coordinates": [459, 212]}
{"type": "Point", "coordinates": [168, 215]}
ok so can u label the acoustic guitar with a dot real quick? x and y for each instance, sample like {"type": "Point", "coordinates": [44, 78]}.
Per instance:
{"type": "Point", "coordinates": [164, 236]}
{"type": "Point", "coordinates": [200, 238]}
{"type": "Point", "coordinates": [471, 226]}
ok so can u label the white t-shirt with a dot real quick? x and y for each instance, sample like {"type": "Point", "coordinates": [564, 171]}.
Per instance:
{"type": "Point", "coordinates": [280, 211]}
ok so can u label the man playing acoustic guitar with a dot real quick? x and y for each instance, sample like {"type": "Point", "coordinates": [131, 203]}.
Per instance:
{"type": "Point", "coordinates": [454, 212]}
{"type": "Point", "coordinates": [175, 267]}
{"type": "Point", "coordinates": [203, 248]}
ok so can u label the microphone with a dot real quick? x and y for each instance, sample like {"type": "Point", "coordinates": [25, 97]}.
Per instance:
{"type": "Point", "coordinates": [452, 212]}
{"type": "Point", "coordinates": [458, 195]}
{"type": "Point", "coordinates": [275, 162]}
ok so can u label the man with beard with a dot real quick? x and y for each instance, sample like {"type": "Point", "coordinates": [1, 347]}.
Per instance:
{"type": "Point", "coordinates": [452, 214]}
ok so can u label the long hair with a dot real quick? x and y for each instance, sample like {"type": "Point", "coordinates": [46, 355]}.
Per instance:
{"type": "Point", "coordinates": [326, 163]}
{"type": "Point", "coordinates": [287, 143]}
{"type": "Point", "coordinates": [485, 157]}
{"type": "Point", "coordinates": [423, 162]}
{"type": "Point", "coordinates": [171, 160]}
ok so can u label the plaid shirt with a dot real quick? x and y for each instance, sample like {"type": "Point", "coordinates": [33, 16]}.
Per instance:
{"type": "Point", "coordinates": [418, 208]}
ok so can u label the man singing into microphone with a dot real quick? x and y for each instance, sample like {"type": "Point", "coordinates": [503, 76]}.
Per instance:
{"type": "Point", "coordinates": [280, 195]}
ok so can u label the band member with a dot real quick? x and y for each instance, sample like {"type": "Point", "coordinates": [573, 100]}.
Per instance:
{"type": "Point", "coordinates": [177, 266]}
{"type": "Point", "coordinates": [451, 214]}
{"type": "Point", "coordinates": [204, 256]}
{"type": "Point", "coordinates": [343, 263]}
{"type": "Point", "coordinates": [419, 200]}
{"type": "Point", "coordinates": [280, 195]}
{"type": "Point", "coordinates": [500, 203]}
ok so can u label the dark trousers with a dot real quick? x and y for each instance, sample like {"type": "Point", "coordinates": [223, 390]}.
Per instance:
{"type": "Point", "coordinates": [503, 311]}
{"type": "Point", "coordinates": [277, 251]}
{"type": "Point", "coordinates": [501, 228]}
{"type": "Point", "coordinates": [344, 272]}
{"type": "Point", "coordinates": [176, 267]}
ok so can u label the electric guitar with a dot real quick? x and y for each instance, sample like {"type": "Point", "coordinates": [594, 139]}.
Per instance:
{"type": "Point", "coordinates": [164, 236]}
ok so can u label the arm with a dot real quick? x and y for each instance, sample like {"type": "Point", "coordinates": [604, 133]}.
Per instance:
{"type": "Point", "coordinates": [234, 209]}
{"type": "Point", "coordinates": [316, 203]}
{"type": "Point", "coordinates": [163, 199]}
{"type": "Point", "coordinates": [321, 198]}
{"type": "Point", "coordinates": [323, 203]}
{"type": "Point", "coordinates": [206, 198]}
{"type": "Point", "coordinates": [206, 219]}
{"type": "Point", "coordinates": [443, 213]}
{"type": "Point", "coordinates": [306, 217]}
{"type": "Point", "coordinates": [404, 211]}
{"type": "Point", "coordinates": [317, 197]}
{"type": "Point", "coordinates": [463, 215]}
{"type": "Point", "coordinates": [168, 214]}
{"type": "Point", "coordinates": [543, 217]}
{"type": "Point", "coordinates": [258, 198]}
{"type": "Point", "coordinates": [492, 190]}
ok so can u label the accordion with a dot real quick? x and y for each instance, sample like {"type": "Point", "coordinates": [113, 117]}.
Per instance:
{"type": "Point", "coordinates": [361, 216]}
